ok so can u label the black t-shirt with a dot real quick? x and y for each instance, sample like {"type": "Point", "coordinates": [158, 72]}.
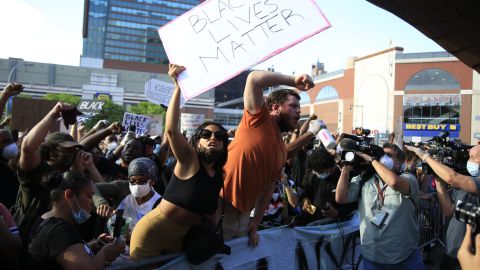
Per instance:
{"type": "Point", "coordinates": [49, 239]}
{"type": "Point", "coordinates": [9, 190]}
{"type": "Point", "coordinates": [33, 198]}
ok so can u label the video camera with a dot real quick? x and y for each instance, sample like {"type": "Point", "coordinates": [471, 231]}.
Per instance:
{"type": "Point", "coordinates": [469, 214]}
{"type": "Point", "coordinates": [453, 154]}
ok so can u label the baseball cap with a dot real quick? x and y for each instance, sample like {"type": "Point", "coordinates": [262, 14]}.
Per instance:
{"type": "Point", "coordinates": [62, 139]}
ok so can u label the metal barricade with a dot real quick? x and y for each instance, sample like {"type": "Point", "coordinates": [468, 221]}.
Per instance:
{"type": "Point", "coordinates": [431, 222]}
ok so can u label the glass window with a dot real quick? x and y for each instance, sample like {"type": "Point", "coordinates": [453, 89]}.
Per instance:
{"type": "Point", "coordinates": [327, 93]}
{"type": "Point", "coordinates": [432, 79]}
{"type": "Point", "coordinates": [304, 98]}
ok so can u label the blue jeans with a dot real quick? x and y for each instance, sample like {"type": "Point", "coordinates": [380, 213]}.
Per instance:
{"type": "Point", "coordinates": [414, 261]}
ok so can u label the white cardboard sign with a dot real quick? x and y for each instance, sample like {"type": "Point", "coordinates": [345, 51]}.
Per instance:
{"type": "Point", "coordinates": [160, 92]}
{"type": "Point", "coordinates": [190, 122]}
{"type": "Point", "coordinates": [141, 122]}
{"type": "Point", "coordinates": [219, 39]}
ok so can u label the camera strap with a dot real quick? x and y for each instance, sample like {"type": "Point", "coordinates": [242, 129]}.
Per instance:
{"type": "Point", "coordinates": [380, 192]}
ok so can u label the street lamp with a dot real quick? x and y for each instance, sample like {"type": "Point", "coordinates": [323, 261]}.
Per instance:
{"type": "Point", "coordinates": [357, 106]}
{"type": "Point", "coordinates": [15, 67]}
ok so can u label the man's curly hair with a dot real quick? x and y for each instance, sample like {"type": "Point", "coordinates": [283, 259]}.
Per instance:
{"type": "Point", "coordinates": [280, 96]}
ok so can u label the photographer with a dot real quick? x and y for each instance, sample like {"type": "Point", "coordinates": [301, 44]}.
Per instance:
{"type": "Point", "coordinates": [465, 189]}
{"type": "Point", "coordinates": [386, 201]}
{"type": "Point", "coordinates": [469, 260]}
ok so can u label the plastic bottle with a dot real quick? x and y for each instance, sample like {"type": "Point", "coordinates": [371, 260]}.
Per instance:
{"type": "Point", "coordinates": [326, 137]}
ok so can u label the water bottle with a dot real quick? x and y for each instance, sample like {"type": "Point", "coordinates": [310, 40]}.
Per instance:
{"type": "Point", "coordinates": [326, 137]}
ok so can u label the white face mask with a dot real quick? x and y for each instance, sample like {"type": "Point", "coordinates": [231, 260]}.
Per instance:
{"type": "Point", "coordinates": [322, 176]}
{"type": "Point", "coordinates": [140, 191]}
{"type": "Point", "coordinates": [10, 151]}
{"type": "Point", "coordinates": [387, 162]}
{"type": "Point", "coordinates": [473, 168]}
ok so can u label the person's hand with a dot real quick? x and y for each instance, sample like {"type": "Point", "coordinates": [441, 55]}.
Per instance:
{"type": "Point", "coordinates": [115, 128]}
{"type": "Point", "coordinates": [315, 126]}
{"type": "Point", "coordinates": [100, 125]}
{"type": "Point", "coordinates": [130, 135]}
{"type": "Point", "coordinates": [304, 82]}
{"type": "Point", "coordinates": [330, 212]}
{"type": "Point", "coordinates": [174, 71]}
{"type": "Point", "coordinates": [419, 152]}
{"type": "Point", "coordinates": [55, 113]}
{"type": "Point", "coordinates": [6, 121]}
{"type": "Point", "coordinates": [364, 156]}
{"type": "Point", "coordinates": [231, 132]}
{"type": "Point", "coordinates": [105, 238]}
{"type": "Point", "coordinates": [347, 168]}
{"type": "Point", "coordinates": [12, 89]}
{"type": "Point", "coordinates": [312, 117]}
{"type": "Point", "coordinates": [112, 250]}
{"type": "Point", "coordinates": [467, 259]}
{"type": "Point", "coordinates": [253, 238]}
{"type": "Point", "coordinates": [306, 205]}
{"type": "Point", "coordinates": [104, 210]}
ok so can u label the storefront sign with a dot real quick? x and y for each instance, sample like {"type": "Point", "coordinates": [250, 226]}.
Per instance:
{"type": "Point", "coordinates": [431, 100]}
{"type": "Point", "coordinates": [430, 130]}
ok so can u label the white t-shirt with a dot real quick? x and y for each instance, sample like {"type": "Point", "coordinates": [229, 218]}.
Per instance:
{"type": "Point", "coordinates": [133, 210]}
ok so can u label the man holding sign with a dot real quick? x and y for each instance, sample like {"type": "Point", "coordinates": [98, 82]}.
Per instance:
{"type": "Point", "coordinates": [257, 154]}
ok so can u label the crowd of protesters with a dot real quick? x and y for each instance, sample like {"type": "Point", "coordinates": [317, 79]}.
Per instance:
{"type": "Point", "coordinates": [62, 193]}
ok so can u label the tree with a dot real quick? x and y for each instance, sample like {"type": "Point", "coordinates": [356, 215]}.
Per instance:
{"type": "Point", "coordinates": [67, 98]}
{"type": "Point", "coordinates": [110, 111]}
{"type": "Point", "coordinates": [145, 107]}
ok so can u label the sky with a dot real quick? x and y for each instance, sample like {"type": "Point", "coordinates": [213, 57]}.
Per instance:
{"type": "Point", "coordinates": [50, 31]}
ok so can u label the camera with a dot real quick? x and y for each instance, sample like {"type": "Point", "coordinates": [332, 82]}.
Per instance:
{"type": "Point", "coordinates": [469, 214]}
{"type": "Point", "coordinates": [453, 154]}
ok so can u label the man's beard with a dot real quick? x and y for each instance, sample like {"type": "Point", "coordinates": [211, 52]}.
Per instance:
{"type": "Point", "coordinates": [209, 156]}
{"type": "Point", "coordinates": [283, 123]}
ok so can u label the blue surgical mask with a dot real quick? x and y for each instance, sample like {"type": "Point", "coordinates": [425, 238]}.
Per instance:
{"type": "Point", "coordinates": [387, 162]}
{"type": "Point", "coordinates": [321, 176]}
{"type": "Point", "coordinates": [473, 168]}
{"type": "Point", "coordinates": [81, 215]}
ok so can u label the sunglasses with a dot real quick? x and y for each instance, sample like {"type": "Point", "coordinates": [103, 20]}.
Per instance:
{"type": "Point", "coordinates": [207, 134]}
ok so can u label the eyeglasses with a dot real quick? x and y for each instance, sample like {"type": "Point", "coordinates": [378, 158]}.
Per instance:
{"type": "Point", "coordinates": [219, 135]}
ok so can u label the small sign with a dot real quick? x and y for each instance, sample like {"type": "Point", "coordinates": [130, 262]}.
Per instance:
{"type": "Point", "coordinates": [91, 106]}
{"type": "Point", "coordinates": [189, 122]}
{"type": "Point", "coordinates": [160, 92]}
{"type": "Point", "coordinates": [141, 123]}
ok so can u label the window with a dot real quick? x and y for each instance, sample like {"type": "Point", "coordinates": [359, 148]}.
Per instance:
{"type": "Point", "coordinates": [432, 79]}
{"type": "Point", "coordinates": [304, 98]}
{"type": "Point", "coordinates": [327, 93]}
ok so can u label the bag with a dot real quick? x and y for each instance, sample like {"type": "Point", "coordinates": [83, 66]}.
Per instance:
{"type": "Point", "coordinates": [202, 242]}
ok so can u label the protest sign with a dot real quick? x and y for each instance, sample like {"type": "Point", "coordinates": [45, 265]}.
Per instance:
{"type": "Point", "coordinates": [160, 92]}
{"type": "Point", "coordinates": [141, 123]}
{"type": "Point", "coordinates": [91, 106]}
{"type": "Point", "coordinates": [219, 39]}
{"type": "Point", "coordinates": [189, 122]}
{"type": "Point", "coordinates": [27, 112]}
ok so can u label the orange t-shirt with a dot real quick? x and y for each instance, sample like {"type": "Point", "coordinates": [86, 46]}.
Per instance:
{"type": "Point", "coordinates": [255, 159]}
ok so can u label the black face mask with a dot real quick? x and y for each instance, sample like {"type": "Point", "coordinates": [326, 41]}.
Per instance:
{"type": "Point", "coordinates": [208, 156]}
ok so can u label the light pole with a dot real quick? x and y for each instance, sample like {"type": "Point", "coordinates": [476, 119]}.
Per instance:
{"type": "Point", "coordinates": [357, 106]}
{"type": "Point", "coordinates": [15, 67]}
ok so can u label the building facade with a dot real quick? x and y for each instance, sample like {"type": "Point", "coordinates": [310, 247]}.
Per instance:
{"type": "Point", "coordinates": [123, 34]}
{"type": "Point", "coordinates": [414, 95]}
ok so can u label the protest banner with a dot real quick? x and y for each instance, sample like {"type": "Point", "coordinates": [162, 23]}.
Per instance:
{"type": "Point", "coordinates": [160, 92]}
{"type": "Point", "coordinates": [189, 122]}
{"type": "Point", "coordinates": [219, 39]}
{"type": "Point", "coordinates": [27, 112]}
{"type": "Point", "coordinates": [91, 106]}
{"type": "Point", "coordinates": [141, 123]}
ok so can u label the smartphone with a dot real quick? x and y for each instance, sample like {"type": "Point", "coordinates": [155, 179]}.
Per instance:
{"type": "Point", "coordinates": [132, 128]}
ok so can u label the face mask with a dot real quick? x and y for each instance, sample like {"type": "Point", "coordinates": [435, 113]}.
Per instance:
{"type": "Point", "coordinates": [81, 215]}
{"type": "Point", "coordinates": [10, 151]}
{"type": "Point", "coordinates": [473, 168]}
{"type": "Point", "coordinates": [387, 162]}
{"type": "Point", "coordinates": [322, 176]}
{"type": "Point", "coordinates": [403, 167]}
{"type": "Point", "coordinates": [139, 191]}
{"type": "Point", "coordinates": [112, 146]}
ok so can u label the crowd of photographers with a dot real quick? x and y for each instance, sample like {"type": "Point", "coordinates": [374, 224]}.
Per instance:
{"type": "Point", "coordinates": [87, 199]}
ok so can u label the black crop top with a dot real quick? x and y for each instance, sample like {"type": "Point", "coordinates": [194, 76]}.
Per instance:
{"type": "Point", "coordinates": [199, 194]}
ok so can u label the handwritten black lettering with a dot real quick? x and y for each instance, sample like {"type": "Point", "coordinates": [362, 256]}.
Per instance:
{"type": "Point", "coordinates": [259, 11]}
{"type": "Point", "coordinates": [244, 20]}
{"type": "Point", "coordinates": [233, 25]}
{"type": "Point", "coordinates": [266, 3]}
{"type": "Point", "coordinates": [220, 40]}
{"type": "Point", "coordinates": [219, 51]}
{"type": "Point", "coordinates": [197, 20]}
{"type": "Point", "coordinates": [274, 25]}
{"type": "Point", "coordinates": [208, 17]}
{"type": "Point", "coordinates": [290, 15]}
{"type": "Point", "coordinates": [221, 9]}
{"type": "Point", "coordinates": [236, 46]}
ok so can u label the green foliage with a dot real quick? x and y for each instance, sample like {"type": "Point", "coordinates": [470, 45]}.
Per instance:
{"type": "Point", "coordinates": [111, 111]}
{"type": "Point", "coordinates": [145, 107]}
{"type": "Point", "coordinates": [67, 98]}
{"type": "Point", "coordinates": [22, 95]}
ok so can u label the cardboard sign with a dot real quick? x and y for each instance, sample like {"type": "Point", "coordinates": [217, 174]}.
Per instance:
{"type": "Point", "coordinates": [91, 106]}
{"type": "Point", "coordinates": [219, 39]}
{"type": "Point", "coordinates": [189, 122]}
{"type": "Point", "coordinates": [27, 112]}
{"type": "Point", "coordinates": [141, 123]}
{"type": "Point", "coordinates": [160, 92]}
